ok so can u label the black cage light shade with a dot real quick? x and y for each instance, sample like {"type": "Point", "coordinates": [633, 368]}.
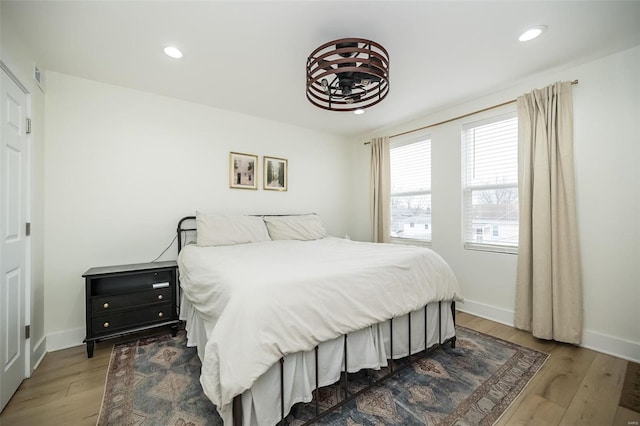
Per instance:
{"type": "Point", "coordinates": [347, 74]}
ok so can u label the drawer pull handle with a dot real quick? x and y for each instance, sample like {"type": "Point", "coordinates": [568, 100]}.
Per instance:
{"type": "Point", "coordinates": [160, 297]}
{"type": "Point", "coordinates": [106, 305]}
{"type": "Point", "coordinates": [106, 325]}
{"type": "Point", "coordinates": [161, 285]}
{"type": "Point", "coordinates": [160, 314]}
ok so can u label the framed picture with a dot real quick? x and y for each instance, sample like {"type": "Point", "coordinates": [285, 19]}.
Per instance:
{"type": "Point", "coordinates": [243, 170]}
{"type": "Point", "coordinates": [275, 174]}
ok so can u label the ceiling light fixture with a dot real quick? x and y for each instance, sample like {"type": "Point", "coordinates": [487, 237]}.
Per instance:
{"type": "Point", "coordinates": [532, 33]}
{"type": "Point", "coordinates": [173, 52]}
{"type": "Point", "coordinates": [348, 74]}
{"type": "Point", "coordinates": [358, 111]}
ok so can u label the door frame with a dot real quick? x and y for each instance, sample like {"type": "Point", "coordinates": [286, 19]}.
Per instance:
{"type": "Point", "coordinates": [27, 280]}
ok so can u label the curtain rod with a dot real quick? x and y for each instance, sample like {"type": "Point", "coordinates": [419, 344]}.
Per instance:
{"type": "Point", "coordinates": [458, 117]}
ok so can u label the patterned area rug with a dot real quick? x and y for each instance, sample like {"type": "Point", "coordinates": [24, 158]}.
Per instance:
{"type": "Point", "coordinates": [156, 381]}
{"type": "Point", "coordinates": [630, 396]}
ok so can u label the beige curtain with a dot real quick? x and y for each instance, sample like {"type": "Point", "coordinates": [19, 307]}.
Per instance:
{"type": "Point", "coordinates": [380, 193]}
{"type": "Point", "coordinates": [549, 283]}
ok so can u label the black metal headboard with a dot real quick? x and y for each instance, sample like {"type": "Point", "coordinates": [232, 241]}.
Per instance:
{"type": "Point", "coordinates": [185, 226]}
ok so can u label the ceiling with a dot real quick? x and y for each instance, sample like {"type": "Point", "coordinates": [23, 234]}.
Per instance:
{"type": "Point", "coordinates": [250, 57]}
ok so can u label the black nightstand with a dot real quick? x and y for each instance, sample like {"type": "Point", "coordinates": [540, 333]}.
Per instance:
{"type": "Point", "coordinates": [130, 298]}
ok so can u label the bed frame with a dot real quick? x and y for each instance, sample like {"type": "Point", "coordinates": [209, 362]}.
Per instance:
{"type": "Point", "coordinates": [184, 231]}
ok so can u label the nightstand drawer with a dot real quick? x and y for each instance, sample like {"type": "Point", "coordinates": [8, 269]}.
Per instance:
{"type": "Point", "coordinates": [105, 304]}
{"type": "Point", "coordinates": [105, 324]}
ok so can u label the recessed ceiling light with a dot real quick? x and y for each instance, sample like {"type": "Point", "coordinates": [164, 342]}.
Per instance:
{"type": "Point", "coordinates": [173, 52]}
{"type": "Point", "coordinates": [358, 111]}
{"type": "Point", "coordinates": [532, 33]}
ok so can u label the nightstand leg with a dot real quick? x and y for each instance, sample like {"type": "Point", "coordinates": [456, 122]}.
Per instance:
{"type": "Point", "coordinates": [174, 330]}
{"type": "Point", "coordinates": [90, 346]}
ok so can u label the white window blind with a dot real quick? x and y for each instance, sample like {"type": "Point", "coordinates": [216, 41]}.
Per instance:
{"type": "Point", "coordinates": [410, 161]}
{"type": "Point", "coordinates": [490, 183]}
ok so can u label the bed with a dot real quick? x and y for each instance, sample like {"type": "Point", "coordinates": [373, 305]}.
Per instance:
{"type": "Point", "coordinates": [279, 309]}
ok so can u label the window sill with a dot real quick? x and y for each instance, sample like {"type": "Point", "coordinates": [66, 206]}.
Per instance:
{"type": "Point", "coordinates": [491, 248]}
{"type": "Point", "coordinates": [410, 242]}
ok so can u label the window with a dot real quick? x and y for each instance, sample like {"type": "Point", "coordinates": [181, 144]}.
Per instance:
{"type": "Point", "coordinates": [410, 161]}
{"type": "Point", "coordinates": [490, 183]}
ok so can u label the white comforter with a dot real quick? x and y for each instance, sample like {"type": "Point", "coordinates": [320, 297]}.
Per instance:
{"type": "Point", "coordinates": [261, 301]}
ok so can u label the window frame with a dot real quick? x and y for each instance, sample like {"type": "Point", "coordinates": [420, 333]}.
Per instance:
{"type": "Point", "coordinates": [468, 190]}
{"type": "Point", "coordinates": [398, 142]}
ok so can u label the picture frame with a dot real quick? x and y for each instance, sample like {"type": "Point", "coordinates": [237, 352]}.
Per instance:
{"type": "Point", "coordinates": [276, 174]}
{"type": "Point", "coordinates": [243, 171]}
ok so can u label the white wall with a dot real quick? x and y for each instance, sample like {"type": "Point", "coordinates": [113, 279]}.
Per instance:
{"type": "Point", "coordinates": [122, 167]}
{"type": "Point", "coordinates": [19, 58]}
{"type": "Point", "coordinates": [607, 156]}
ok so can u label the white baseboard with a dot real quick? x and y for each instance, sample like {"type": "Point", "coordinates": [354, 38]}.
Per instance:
{"type": "Point", "coordinates": [493, 313]}
{"type": "Point", "coordinates": [610, 345]}
{"type": "Point", "coordinates": [65, 339]}
{"type": "Point", "coordinates": [38, 353]}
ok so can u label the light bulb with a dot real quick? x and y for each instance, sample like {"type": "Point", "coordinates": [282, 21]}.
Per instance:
{"type": "Point", "coordinates": [532, 33]}
{"type": "Point", "coordinates": [173, 52]}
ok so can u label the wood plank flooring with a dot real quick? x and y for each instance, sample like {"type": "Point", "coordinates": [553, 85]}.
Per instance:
{"type": "Point", "coordinates": [576, 386]}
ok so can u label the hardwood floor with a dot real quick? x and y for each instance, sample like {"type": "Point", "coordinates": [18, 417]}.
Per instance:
{"type": "Point", "coordinates": [575, 386]}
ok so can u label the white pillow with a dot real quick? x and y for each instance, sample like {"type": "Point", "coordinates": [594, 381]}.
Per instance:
{"type": "Point", "coordinates": [223, 230]}
{"type": "Point", "coordinates": [298, 227]}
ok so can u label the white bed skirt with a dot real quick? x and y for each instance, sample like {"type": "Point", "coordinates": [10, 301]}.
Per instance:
{"type": "Point", "coordinates": [261, 403]}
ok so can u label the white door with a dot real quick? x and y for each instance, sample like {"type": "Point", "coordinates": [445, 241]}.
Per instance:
{"type": "Point", "coordinates": [13, 247]}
